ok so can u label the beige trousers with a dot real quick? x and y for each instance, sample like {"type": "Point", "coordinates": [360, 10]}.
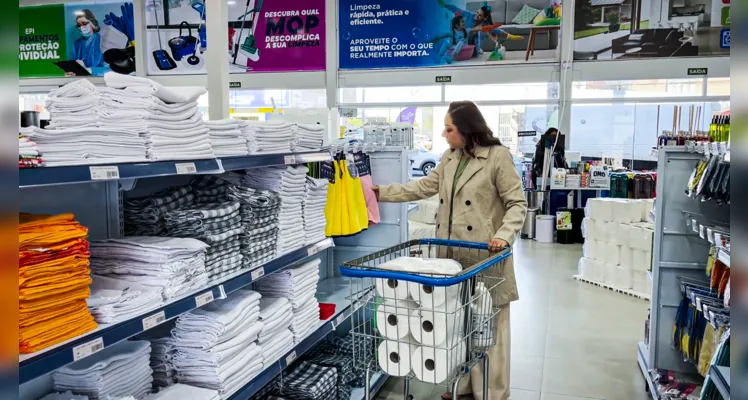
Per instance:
{"type": "Point", "coordinates": [498, 365]}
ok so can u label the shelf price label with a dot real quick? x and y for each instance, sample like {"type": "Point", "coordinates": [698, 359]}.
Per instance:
{"type": "Point", "coordinates": [290, 358]}
{"type": "Point", "coordinates": [289, 159]}
{"type": "Point", "coordinates": [339, 320]}
{"type": "Point", "coordinates": [312, 251]}
{"type": "Point", "coordinates": [88, 348]}
{"type": "Point", "coordinates": [258, 273]}
{"type": "Point", "coordinates": [153, 320]}
{"type": "Point", "coordinates": [204, 299]}
{"type": "Point", "coordinates": [104, 173]}
{"type": "Point", "coordinates": [186, 168]}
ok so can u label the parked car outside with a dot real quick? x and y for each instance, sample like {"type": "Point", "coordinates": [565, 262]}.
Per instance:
{"type": "Point", "coordinates": [423, 161]}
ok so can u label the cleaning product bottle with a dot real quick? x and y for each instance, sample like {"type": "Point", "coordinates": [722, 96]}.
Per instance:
{"type": "Point", "coordinates": [482, 321]}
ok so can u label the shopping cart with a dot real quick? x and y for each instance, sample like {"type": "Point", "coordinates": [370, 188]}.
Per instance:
{"type": "Point", "coordinates": [450, 317]}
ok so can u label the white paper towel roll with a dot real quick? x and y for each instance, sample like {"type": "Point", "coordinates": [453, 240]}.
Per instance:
{"type": "Point", "coordinates": [395, 357]}
{"type": "Point", "coordinates": [588, 228]}
{"type": "Point", "coordinates": [392, 318]}
{"type": "Point", "coordinates": [624, 278]}
{"type": "Point", "coordinates": [586, 269]}
{"type": "Point", "coordinates": [641, 282]}
{"type": "Point", "coordinates": [432, 365]}
{"type": "Point", "coordinates": [607, 273]}
{"type": "Point", "coordinates": [441, 327]}
{"type": "Point", "coordinates": [429, 297]}
{"type": "Point", "coordinates": [627, 257]}
{"type": "Point", "coordinates": [392, 289]}
{"type": "Point", "coordinates": [642, 260]}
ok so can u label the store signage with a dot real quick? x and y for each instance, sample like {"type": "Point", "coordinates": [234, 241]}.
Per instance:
{"type": "Point", "coordinates": [266, 36]}
{"type": "Point", "coordinates": [348, 112]}
{"type": "Point", "coordinates": [51, 44]}
{"type": "Point", "coordinates": [444, 79]}
{"type": "Point", "coordinates": [426, 33]}
{"type": "Point", "coordinates": [724, 38]}
{"type": "Point", "coordinates": [698, 71]}
{"type": "Point", "coordinates": [235, 85]}
{"type": "Point", "coordinates": [526, 133]}
{"type": "Point", "coordinates": [725, 19]}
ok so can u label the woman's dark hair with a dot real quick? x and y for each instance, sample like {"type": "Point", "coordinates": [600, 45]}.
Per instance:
{"type": "Point", "coordinates": [468, 119]}
{"type": "Point", "coordinates": [456, 27]}
{"type": "Point", "coordinates": [550, 131]}
{"type": "Point", "coordinates": [487, 19]}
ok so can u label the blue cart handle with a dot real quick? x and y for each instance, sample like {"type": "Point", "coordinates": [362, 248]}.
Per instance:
{"type": "Point", "coordinates": [463, 276]}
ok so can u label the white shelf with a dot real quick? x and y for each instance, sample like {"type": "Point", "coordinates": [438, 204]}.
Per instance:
{"type": "Point", "coordinates": [723, 255]}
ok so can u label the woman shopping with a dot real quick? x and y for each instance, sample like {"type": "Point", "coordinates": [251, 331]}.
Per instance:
{"type": "Point", "coordinates": [481, 200]}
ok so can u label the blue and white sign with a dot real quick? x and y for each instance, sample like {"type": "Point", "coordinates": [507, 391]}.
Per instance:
{"type": "Point", "coordinates": [724, 38]}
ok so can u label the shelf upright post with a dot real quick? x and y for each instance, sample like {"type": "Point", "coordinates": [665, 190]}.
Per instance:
{"type": "Point", "coordinates": [141, 35]}
{"type": "Point", "coordinates": [216, 23]}
{"type": "Point", "coordinates": [331, 68]}
{"type": "Point", "coordinates": [566, 71]}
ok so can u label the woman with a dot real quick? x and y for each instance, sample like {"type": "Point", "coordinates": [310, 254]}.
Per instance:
{"type": "Point", "coordinates": [481, 200]}
{"type": "Point", "coordinates": [87, 48]}
{"type": "Point", "coordinates": [547, 140]}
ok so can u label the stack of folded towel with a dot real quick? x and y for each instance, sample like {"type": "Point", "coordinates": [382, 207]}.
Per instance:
{"type": "Point", "coordinates": [185, 392]}
{"type": "Point", "coordinates": [290, 183]}
{"type": "Point", "coordinates": [276, 315]}
{"type": "Point", "coordinates": [216, 345]}
{"type": "Point", "coordinates": [270, 136]}
{"type": "Point", "coordinates": [259, 213]}
{"type": "Point", "coordinates": [167, 118]}
{"type": "Point", "coordinates": [114, 372]}
{"type": "Point", "coordinates": [162, 354]}
{"type": "Point", "coordinates": [227, 138]}
{"type": "Point", "coordinates": [299, 286]}
{"type": "Point", "coordinates": [309, 381]}
{"type": "Point", "coordinates": [28, 153]}
{"type": "Point", "coordinates": [314, 209]}
{"type": "Point", "coordinates": [110, 303]}
{"type": "Point", "coordinates": [218, 225]}
{"type": "Point", "coordinates": [309, 137]}
{"type": "Point", "coordinates": [172, 266]}
{"type": "Point", "coordinates": [74, 105]}
{"type": "Point", "coordinates": [144, 216]}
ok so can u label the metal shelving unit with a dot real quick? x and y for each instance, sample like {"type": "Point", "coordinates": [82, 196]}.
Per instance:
{"type": "Point", "coordinates": [721, 378]}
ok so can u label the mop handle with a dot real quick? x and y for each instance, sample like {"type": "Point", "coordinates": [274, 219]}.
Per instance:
{"type": "Point", "coordinates": [158, 29]}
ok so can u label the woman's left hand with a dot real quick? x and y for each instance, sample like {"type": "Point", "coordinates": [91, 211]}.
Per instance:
{"type": "Point", "coordinates": [497, 245]}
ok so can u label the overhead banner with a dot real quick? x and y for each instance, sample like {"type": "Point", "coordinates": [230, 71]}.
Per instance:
{"type": "Point", "coordinates": [76, 39]}
{"type": "Point", "coordinates": [263, 36]}
{"type": "Point", "coordinates": [625, 30]}
{"type": "Point", "coordinates": [424, 33]}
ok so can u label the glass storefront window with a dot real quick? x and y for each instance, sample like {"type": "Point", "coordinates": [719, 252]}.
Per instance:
{"type": "Point", "coordinates": [718, 87]}
{"type": "Point", "coordinates": [489, 92]}
{"type": "Point", "coordinates": [638, 88]}
{"type": "Point", "coordinates": [400, 94]}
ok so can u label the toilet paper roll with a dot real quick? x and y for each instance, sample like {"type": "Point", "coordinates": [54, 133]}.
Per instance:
{"type": "Point", "coordinates": [586, 268]}
{"type": "Point", "coordinates": [620, 211]}
{"type": "Point", "coordinates": [588, 248]}
{"type": "Point", "coordinates": [647, 206]}
{"type": "Point", "coordinates": [429, 297]}
{"type": "Point", "coordinates": [600, 208]}
{"type": "Point", "coordinates": [601, 229]}
{"type": "Point", "coordinates": [392, 318]}
{"type": "Point", "coordinates": [623, 278]}
{"type": "Point", "coordinates": [588, 228]}
{"type": "Point", "coordinates": [441, 327]}
{"type": "Point", "coordinates": [607, 273]}
{"type": "Point", "coordinates": [395, 357]}
{"type": "Point", "coordinates": [640, 282]}
{"type": "Point", "coordinates": [627, 257]}
{"type": "Point", "coordinates": [641, 260]}
{"type": "Point", "coordinates": [433, 365]}
{"type": "Point", "coordinates": [392, 289]}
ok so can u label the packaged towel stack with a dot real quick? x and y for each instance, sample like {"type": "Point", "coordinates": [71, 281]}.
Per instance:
{"type": "Point", "coordinates": [276, 339]}
{"type": "Point", "coordinates": [144, 216]}
{"type": "Point", "coordinates": [299, 286]}
{"type": "Point", "coordinates": [185, 392]}
{"type": "Point", "coordinates": [309, 381]}
{"type": "Point", "coordinates": [172, 266]}
{"type": "Point", "coordinates": [215, 345]}
{"type": "Point", "coordinates": [74, 105]}
{"type": "Point", "coordinates": [290, 183]}
{"type": "Point", "coordinates": [53, 280]}
{"type": "Point", "coordinates": [314, 209]}
{"type": "Point", "coordinates": [110, 303]}
{"type": "Point", "coordinates": [227, 138]}
{"type": "Point", "coordinates": [259, 211]}
{"type": "Point", "coordinates": [218, 225]}
{"type": "Point", "coordinates": [162, 354]}
{"type": "Point", "coordinates": [168, 118]}
{"type": "Point", "coordinates": [270, 136]}
{"type": "Point", "coordinates": [114, 372]}
{"type": "Point", "coordinates": [309, 137]}
{"type": "Point", "coordinates": [28, 153]}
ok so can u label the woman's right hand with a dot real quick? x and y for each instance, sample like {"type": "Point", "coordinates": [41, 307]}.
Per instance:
{"type": "Point", "coordinates": [376, 191]}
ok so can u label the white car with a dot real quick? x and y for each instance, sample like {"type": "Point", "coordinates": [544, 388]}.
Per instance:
{"type": "Point", "coordinates": [423, 161]}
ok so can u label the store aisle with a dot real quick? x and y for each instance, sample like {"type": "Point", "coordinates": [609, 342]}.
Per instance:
{"type": "Point", "coordinates": [570, 340]}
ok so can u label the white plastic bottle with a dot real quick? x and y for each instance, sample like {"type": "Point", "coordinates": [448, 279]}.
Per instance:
{"type": "Point", "coordinates": [482, 310]}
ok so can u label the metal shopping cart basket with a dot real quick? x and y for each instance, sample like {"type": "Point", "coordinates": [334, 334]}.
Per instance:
{"type": "Point", "coordinates": [433, 327]}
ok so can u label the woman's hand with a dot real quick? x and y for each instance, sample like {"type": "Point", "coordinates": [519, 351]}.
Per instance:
{"type": "Point", "coordinates": [376, 191]}
{"type": "Point", "coordinates": [496, 245]}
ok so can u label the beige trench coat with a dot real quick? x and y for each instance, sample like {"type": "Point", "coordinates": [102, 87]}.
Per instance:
{"type": "Point", "coordinates": [488, 203]}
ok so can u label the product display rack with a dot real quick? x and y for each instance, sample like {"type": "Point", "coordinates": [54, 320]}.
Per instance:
{"type": "Point", "coordinates": [679, 254]}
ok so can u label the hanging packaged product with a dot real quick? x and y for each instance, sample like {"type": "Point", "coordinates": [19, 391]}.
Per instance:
{"type": "Point", "coordinates": [559, 177]}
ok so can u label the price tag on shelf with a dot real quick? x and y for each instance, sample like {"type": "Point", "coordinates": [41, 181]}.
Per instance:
{"type": "Point", "coordinates": [153, 320]}
{"type": "Point", "coordinates": [204, 298]}
{"type": "Point", "coordinates": [104, 173]}
{"type": "Point", "coordinates": [258, 273]}
{"type": "Point", "coordinates": [289, 159]}
{"type": "Point", "coordinates": [186, 168]}
{"type": "Point", "coordinates": [88, 348]}
{"type": "Point", "coordinates": [311, 251]}
{"type": "Point", "coordinates": [221, 292]}
{"type": "Point", "coordinates": [339, 320]}
{"type": "Point", "coordinates": [290, 358]}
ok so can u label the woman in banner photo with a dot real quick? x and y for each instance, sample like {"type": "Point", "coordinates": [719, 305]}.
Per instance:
{"type": "Point", "coordinates": [477, 21]}
{"type": "Point", "coordinates": [481, 200]}
{"type": "Point", "coordinates": [87, 48]}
